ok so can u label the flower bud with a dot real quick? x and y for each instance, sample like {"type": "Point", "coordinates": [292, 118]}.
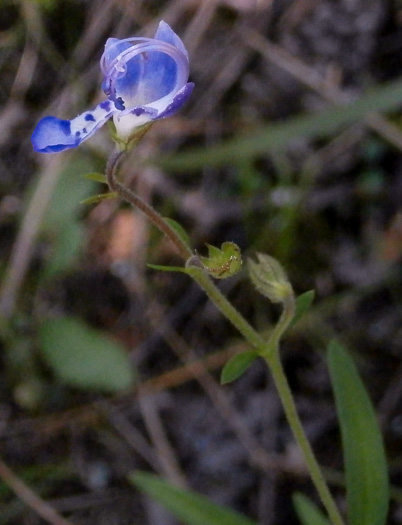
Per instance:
{"type": "Point", "coordinates": [269, 278]}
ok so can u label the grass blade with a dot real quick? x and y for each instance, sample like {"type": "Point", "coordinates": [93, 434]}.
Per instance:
{"type": "Point", "coordinates": [188, 506]}
{"type": "Point", "coordinates": [367, 482]}
{"type": "Point", "coordinates": [277, 136]}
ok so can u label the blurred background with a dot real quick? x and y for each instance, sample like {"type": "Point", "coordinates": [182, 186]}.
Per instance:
{"type": "Point", "coordinates": [107, 366]}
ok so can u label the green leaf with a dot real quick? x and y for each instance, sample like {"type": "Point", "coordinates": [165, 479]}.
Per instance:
{"type": "Point", "coordinates": [189, 507]}
{"type": "Point", "coordinates": [100, 197]}
{"type": "Point", "coordinates": [303, 303]}
{"type": "Point", "coordinates": [84, 357]}
{"type": "Point", "coordinates": [307, 512]}
{"type": "Point", "coordinates": [224, 262]}
{"type": "Point", "coordinates": [367, 482]}
{"type": "Point", "coordinates": [178, 228]}
{"type": "Point", "coordinates": [237, 365]}
{"type": "Point", "coordinates": [65, 248]}
{"type": "Point", "coordinates": [71, 188]}
{"type": "Point", "coordinates": [180, 269]}
{"type": "Point", "coordinates": [276, 136]}
{"type": "Point", "coordinates": [97, 177]}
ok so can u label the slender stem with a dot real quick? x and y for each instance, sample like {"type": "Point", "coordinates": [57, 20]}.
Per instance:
{"type": "Point", "coordinates": [283, 323]}
{"type": "Point", "coordinates": [29, 497]}
{"type": "Point", "coordinates": [226, 307]}
{"type": "Point", "coordinates": [129, 196]}
{"type": "Point", "coordinates": [268, 350]}
{"type": "Point", "coordinates": [197, 274]}
{"type": "Point", "coordinates": [274, 363]}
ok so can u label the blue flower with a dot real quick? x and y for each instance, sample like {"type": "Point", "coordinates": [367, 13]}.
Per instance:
{"type": "Point", "coordinates": [145, 79]}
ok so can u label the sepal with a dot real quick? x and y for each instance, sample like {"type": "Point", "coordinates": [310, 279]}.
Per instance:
{"type": "Point", "coordinates": [222, 262]}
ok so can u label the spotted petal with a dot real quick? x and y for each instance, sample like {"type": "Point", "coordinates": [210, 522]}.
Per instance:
{"type": "Point", "coordinates": [52, 134]}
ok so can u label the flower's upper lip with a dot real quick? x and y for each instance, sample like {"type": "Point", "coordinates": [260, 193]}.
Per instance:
{"type": "Point", "coordinates": [117, 66]}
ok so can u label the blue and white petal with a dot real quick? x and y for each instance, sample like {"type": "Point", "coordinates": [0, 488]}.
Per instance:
{"type": "Point", "coordinates": [166, 34]}
{"type": "Point", "coordinates": [179, 99]}
{"type": "Point", "coordinates": [52, 134]}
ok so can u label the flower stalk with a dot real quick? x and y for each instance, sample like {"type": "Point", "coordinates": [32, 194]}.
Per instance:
{"type": "Point", "coordinates": [268, 350]}
{"type": "Point", "coordinates": [274, 364]}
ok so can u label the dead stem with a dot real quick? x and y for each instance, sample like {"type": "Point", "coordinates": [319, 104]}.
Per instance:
{"type": "Point", "coordinates": [29, 497]}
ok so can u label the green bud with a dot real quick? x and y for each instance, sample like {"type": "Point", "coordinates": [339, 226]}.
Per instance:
{"type": "Point", "coordinates": [269, 278]}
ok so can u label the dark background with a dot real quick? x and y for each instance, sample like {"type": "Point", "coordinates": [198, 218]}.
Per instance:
{"type": "Point", "coordinates": [328, 209]}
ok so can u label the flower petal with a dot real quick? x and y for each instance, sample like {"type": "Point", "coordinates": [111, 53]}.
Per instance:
{"type": "Point", "coordinates": [126, 122]}
{"type": "Point", "coordinates": [166, 34]}
{"type": "Point", "coordinates": [52, 134]}
{"type": "Point", "coordinates": [178, 101]}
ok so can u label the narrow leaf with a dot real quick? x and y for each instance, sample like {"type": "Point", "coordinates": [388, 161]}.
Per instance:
{"type": "Point", "coordinates": [83, 357]}
{"type": "Point", "coordinates": [367, 481]}
{"type": "Point", "coordinates": [307, 512]}
{"type": "Point", "coordinates": [97, 177]}
{"type": "Point", "coordinates": [178, 228]}
{"type": "Point", "coordinates": [303, 303]}
{"type": "Point", "coordinates": [237, 365]}
{"type": "Point", "coordinates": [189, 507]}
{"type": "Point", "coordinates": [275, 137]}
{"type": "Point", "coordinates": [180, 269]}
{"type": "Point", "coordinates": [98, 198]}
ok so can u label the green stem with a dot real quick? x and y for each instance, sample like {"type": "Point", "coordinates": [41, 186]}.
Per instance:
{"type": "Point", "coordinates": [268, 350]}
{"type": "Point", "coordinates": [274, 364]}
{"type": "Point", "coordinates": [228, 310]}
{"type": "Point", "coordinates": [132, 198]}
{"type": "Point", "coordinates": [198, 274]}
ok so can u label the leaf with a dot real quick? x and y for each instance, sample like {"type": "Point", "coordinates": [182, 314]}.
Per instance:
{"type": "Point", "coordinates": [83, 357]}
{"type": "Point", "coordinates": [65, 248]}
{"type": "Point", "coordinates": [178, 228]}
{"type": "Point", "coordinates": [180, 269]}
{"type": "Point", "coordinates": [188, 506]}
{"type": "Point", "coordinates": [71, 188]}
{"type": "Point", "coordinates": [97, 177]}
{"type": "Point", "coordinates": [307, 512]}
{"type": "Point", "coordinates": [237, 365]}
{"type": "Point", "coordinates": [303, 303]}
{"type": "Point", "coordinates": [100, 197]}
{"type": "Point", "coordinates": [275, 137]}
{"type": "Point", "coordinates": [367, 480]}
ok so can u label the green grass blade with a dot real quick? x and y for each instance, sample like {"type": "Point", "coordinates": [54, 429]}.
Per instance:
{"type": "Point", "coordinates": [367, 481]}
{"type": "Point", "coordinates": [189, 507]}
{"type": "Point", "coordinates": [307, 512]}
{"type": "Point", "coordinates": [277, 136]}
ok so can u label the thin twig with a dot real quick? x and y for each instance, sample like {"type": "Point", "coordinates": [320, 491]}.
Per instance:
{"type": "Point", "coordinates": [29, 497]}
{"type": "Point", "coordinates": [310, 78]}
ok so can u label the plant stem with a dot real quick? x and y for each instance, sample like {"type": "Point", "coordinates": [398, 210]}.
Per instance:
{"type": "Point", "coordinates": [129, 196]}
{"type": "Point", "coordinates": [227, 309]}
{"type": "Point", "coordinates": [198, 274]}
{"type": "Point", "coordinates": [269, 351]}
{"type": "Point", "coordinates": [274, 364]}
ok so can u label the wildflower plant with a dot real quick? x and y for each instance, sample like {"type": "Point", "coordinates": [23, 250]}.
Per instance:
{"type": "Point", "coordinates": [145, 80]}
